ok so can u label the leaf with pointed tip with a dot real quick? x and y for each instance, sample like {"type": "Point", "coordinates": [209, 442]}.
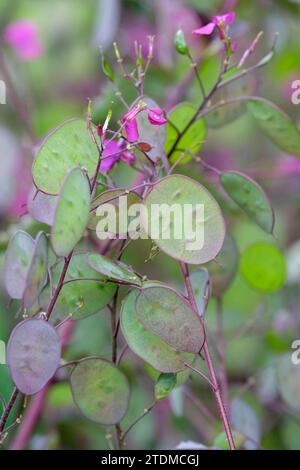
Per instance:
{"type": "Point", "coordinates": [100, 390]}
{"type": "Point", "coordinates": [223, 269]}
{"type": "Point", "coordinates": [82, 298]}
{"type": "Point", "coordinates": [263, 266]}
{"type": "Point", "coordinates": [67, 146]}
{"type": "Point", "coordinates": [113, 269]}
{"type": "Point", "coordinates": [38, 269]}
{"type": "Point", "coordinates": [164, 385]}
{"type": "Point", "coordinates": [192, 139]}
{"type": "Point", "coordinates": [200, 281]}
{"type": "Point", "coordinates": [72, 212]}
{"type": "Point", "coordinates": [121, 200]}
{"type": "Point", "coordinates": [276, 124]}
{"type": "Point", "coordinates": [16, 263]}
{"type": "Point", "coordinates": [33, 355]}
{"type": "Point", "coordinates": [250, 197]}
{"type": "Point", "coordinates": [145, 344]}
{"type": "Point", "coordinates": [42, 206]}
{"type": "Point", "coordinates": [192, 228]}
{"type": "Point", "coordinates": [165, 313]}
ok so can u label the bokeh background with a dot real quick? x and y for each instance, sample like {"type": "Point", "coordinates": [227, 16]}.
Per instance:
{"type": "Point", "coordinates": [259, 328]}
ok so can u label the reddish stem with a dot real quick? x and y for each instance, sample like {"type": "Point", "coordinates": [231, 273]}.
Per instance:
{"type": "Point", "coordinates": [212, 372]}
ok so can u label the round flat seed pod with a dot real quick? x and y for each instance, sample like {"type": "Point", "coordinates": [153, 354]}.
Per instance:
{"type": "Point", "coordinates": [165, 313]}
{"type": "Point", "coordinates": [223, 269]}
{"type": "Point", "coordinates": [81, 298]}
{"type": "Point", "coordinates": [250, 197]}
{"type": "Point", "coordinates": [67, 146]}
{"type": "Point", "coordinates": [38, 271]}
{"type": "Point", "coordinates": [16, 263]}
{"type": "Point", "coordinates": [146, 345]}
{"type": "Point", "coordinates": [42, 206]}
{"type": "Point", "coordinates": [184, 220]}
{"type": "Point", "coordinates": [33, 355]}
{"type": "Point", "coordinates": [276, 124]}
{"type": "Point", "coordinates": [100, 390]}
{"type": "Point", "coordinates": [112, 269]}
{"type": "Point", "coordinates": [119, 200]}
{"type": "Point", "coordinates": [152, 135]}
{"type": "Point", "coordinates": [72, 212]}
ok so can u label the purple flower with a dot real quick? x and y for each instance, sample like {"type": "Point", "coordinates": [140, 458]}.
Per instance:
{"type": "Point", "coordinates": [23, 37]}
{"type": "Point", "coordinates": [113, 152]}
{"type": "Point", "coordinates": [155, 117]}
{"type": "Point", "coordinates": [221, 22]}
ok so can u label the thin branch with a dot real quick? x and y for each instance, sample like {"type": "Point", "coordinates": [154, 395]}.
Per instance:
{"type": "Point", "coordinates": [137, 420]}
{"type": "Point", "coordinates": [213, 376]}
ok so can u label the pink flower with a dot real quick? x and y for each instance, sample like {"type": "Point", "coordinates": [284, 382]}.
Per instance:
{"type": "Point", "coordinates": [221, 22]}
{"type": "Point", "coordinates": [155, 117]}
{"type": "Point", "coordinates": [113, 152]}
{"type": "Point", "coordinates": [130, 122]}
{"type": "Point", "coordinates": [23, 37]}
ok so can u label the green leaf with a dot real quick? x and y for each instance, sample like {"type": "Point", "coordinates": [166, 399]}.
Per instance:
{"type": "Point", "coordinates": [221, 441]}
{"type": "Point", "coordinates": [82, 298]}
{"type": "Point", "coordinates": [16, 263]}
{"type": "Point", "coordinates": [263, 267]}
{"type": "Point", "coordinates": [67, 146]}
{"type": "Point", "coordinates": [106, 68]}
{"type": "Point", "coordinates": [72, 212]}
{"type": "Point", "coordinates": [192, 140]}
{"type": "Point", "coordinates": [164, 386]}
{"type": "Point", "coordinates": [38, 271]}
{"type": "Point", "coordinates": [180, 43]}
{"type": "Point", "coordinates": [224, 268]}
{"type": "Point", "coordinates": [187, 197]}
{"type": "Point", "coordinates": [100, 390]}
{"type": "Point", "coordinates": [33, 355]}
{"type": "Point", "coordinates": [166, 314]}
{"type": "Point", "coordinates": [250, 197]}
{"type": "Point", "coordinates": [276, 124]}
{"type": "Point", "coordinates": [200, 281]}
{"type": "Point", "coordinates": [113, 269]}
{"type": "Point", "coordinates": [145, 344]}
{"type": "Point", "coordinates": [113, 198]}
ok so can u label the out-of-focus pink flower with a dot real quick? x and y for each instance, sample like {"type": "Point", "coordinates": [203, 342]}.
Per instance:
{"type": "Point", "coordinates": [130, 122]}
{"type": "Point", "coordinates": [23, 37]}
{"type": "Point", "coordinates": [111, 155]}
{"type": "Point", "coordinates": [113, 152]}
{"type": "Point", "coordinates": [128, 157]}
{"type": "Point", "coordinates": [156, 117]}
{"type": "Point", "coordinates": [131, 130]}
{"type": "Point", "coordinates": [221, 22]}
